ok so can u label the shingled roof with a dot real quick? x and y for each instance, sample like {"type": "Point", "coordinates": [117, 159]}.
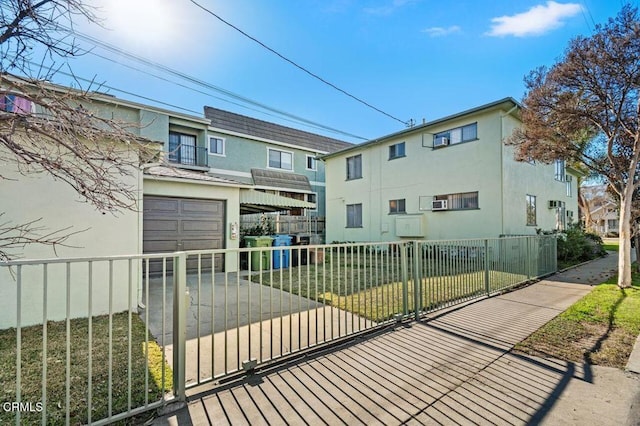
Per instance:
{"type": "Point", "coordinates": [237, 123]}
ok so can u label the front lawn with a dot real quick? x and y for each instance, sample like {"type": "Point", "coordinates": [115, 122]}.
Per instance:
{"type": "Point", "coordinates": [32, 368]}
{"type": "Point", "coordinates": [600, 329]}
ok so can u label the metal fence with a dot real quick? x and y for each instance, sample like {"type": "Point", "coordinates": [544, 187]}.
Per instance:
{"type": "Point", "coordinates": [97, 340]}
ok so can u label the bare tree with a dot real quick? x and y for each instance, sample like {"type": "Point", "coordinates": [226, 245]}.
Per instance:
{"type": "Point", "coordinates": [585, 108]}
{"type": "Point", "coordinates": [50, 129]}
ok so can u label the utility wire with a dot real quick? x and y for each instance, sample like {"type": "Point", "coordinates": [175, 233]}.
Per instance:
{"type": "Point", "coordinates": [194, 80]}
{"type": "Point", "coordinates": [300, 67]}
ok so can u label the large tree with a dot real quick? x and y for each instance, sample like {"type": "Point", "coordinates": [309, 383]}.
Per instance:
{"type": "Point", "coordinates": [60, 136]}
{"type": "Point", "coordinates": [585, 109]}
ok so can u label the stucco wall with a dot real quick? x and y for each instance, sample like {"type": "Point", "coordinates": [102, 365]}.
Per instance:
{"type": "Point", "coordinates": [242, 154]}
{"type": "Point", "coordinates": [424, 172]}
{"type": "Point", "coordinates": [38, 196]}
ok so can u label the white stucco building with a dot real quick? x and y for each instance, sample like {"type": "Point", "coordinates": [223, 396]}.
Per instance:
{"type": "Point", "coordinates": [450, 178]}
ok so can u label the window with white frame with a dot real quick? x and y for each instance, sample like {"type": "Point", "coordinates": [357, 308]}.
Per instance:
{"type": "Point", "coordinates": [216, 146]}
{"type": "Point", "coordinates": [531, 210]}
{"type": "Point", "coordinates": [396, 151]}
{"type": "Point", "coordinates": [458, 135]}
{"type": "Point", "coordinates": [312, 162]}
{"type": "Point", "coordinates": [354, 167]}
{"type": "Point", "coordinates": [280, 159]}
{"type": "Point", "coordinates": [354, 215]}
{"type": "Point", "coordinates": [560, 170]}
{"type": "Point", "coordinates": [397, 206]}
{"type": "Point", "coordinates": [460, 201]}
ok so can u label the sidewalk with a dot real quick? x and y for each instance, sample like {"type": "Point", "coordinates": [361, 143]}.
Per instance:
{"type": "Point", "coordinates": [455, 368]}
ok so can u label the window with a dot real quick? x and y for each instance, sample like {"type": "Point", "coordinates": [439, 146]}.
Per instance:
{"type": "Point", "coordinates": [216, 146]}
{"type": "Point", "coordinates": [311, 163]}
{"type": "Point", "coordinates": [313, 198]}
{"type": "Point", "coordinates": [461, 201]}
{"type": "Point", "coordinates": [354, 215]}
{"type": "Point", "coordinates": [569, 188]}
{"type": "Point", "coordinates": [280, 159]}
{"type": "Point", "coordinates": [458, 135]}
{"type": "Point", "coordinates": [182, 149]}
{"type": "Point", "coordinates": [559, 174]}
{"type": "Point", "coordinates": [354, 167]}
{"type": "Point", "coordinates": [397, 206]}
{"type": "Point", "coordinates": [531, 210]}
{"type": "Point", "coordinates": [16, 104]}
{"type": "Point", "coordinates": [396, 151]}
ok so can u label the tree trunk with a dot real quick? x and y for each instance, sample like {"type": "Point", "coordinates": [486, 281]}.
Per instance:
{"type": "Point", "coordinates": [624, 254]}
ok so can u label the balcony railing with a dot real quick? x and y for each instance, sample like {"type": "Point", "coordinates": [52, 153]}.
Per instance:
{"type": "Point", "coordinates": [188, 155]}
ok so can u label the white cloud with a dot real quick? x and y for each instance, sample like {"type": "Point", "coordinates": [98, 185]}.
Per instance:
{"type": "Point", "coordinates": [536, 21]}
{"type": "Point", "coordinates": [440, 31]}
{"type": "Point", "coordinates": [389, 8]}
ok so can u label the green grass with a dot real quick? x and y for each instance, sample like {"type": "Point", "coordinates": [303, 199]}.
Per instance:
{"type": "Point", "coordinates": [600, 329]}
{"type": "Point", "coordinates": [32, 367]}
{"type": "Point", "coordinates": [374, 290]}
{"type": "Point", "coordinates": [611, 246]}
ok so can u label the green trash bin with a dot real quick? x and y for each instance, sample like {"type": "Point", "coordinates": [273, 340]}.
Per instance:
{"type": "Point", "coordinates": [260, 259]}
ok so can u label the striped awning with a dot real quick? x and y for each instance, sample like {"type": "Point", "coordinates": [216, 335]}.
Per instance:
{"type": "Point", "coordinates": [252, 201]}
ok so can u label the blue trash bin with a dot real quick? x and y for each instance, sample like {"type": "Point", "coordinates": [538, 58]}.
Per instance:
{"type": "Point", "coordinates": [281, 256]}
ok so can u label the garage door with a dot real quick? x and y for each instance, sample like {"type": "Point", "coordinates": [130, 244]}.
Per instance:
{"type": "Point", "coordinates": [176, 224]}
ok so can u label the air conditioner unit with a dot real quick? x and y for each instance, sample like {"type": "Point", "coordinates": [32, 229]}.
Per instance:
{"type": "Point", "coordinates": [554, 204]}
{"type": "Point", "coordinates": [440, 141]}
{"type": "Point", "coordinates": [439, 205]}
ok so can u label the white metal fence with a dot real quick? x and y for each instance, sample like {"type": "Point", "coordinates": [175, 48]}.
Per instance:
{"type": "Point", "coordinates": [96, 340]}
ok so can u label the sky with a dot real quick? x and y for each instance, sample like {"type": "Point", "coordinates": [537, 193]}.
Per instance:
{"type": "Point", "coordinates": [407, 59]}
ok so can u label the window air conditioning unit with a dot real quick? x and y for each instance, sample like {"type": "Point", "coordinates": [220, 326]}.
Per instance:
{"type": "Point", "coordinates": [441, 141]}
{"type": "Point", "coordinates": [554, 204]}
{"type": "Point", "coordinates": [439, 205]}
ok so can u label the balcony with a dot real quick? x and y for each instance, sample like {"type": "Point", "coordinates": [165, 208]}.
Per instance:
{"type": "Point", "coordinates": [188, 155]}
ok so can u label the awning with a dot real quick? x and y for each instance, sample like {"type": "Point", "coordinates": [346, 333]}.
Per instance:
{"type": "Point", "coordinates": [252, 201]}
{"type": "Point", "coordinates": [281, 180]}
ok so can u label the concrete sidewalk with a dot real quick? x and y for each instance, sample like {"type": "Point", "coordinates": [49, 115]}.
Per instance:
{"type": "Point", "coordinates": [453, 368]}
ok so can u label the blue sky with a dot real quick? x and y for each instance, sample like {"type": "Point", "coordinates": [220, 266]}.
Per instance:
{"type": "Point", "coordinates": [413, 59]}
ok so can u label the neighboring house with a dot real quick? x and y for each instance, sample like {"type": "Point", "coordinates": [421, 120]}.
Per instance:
{"type": "Point", "coordinates": [275, 159]}
{"type": "Point", "coordinates": [603, 216]}
{"type": "Point", "coordinates": [178, 209]}
{"type": "Point", "coordinates": [450, 178]}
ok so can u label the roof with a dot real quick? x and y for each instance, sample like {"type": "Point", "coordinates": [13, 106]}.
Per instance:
{"type": "Point", "coordinates": [177, 173]}
{"type": "Point", "coordinates": [505, 104]}
{"type": "Point", "coordinates": [271, 178]}
{"type": "Point", "coordinates": [230, 121]}
{"type": "Point", "coordinates": [252, 201]}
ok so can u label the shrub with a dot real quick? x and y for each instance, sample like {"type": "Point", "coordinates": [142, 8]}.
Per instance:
{"type": "Point", "coordinates": [576, 245]}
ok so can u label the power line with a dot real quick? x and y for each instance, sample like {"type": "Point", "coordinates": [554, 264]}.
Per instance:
{"type": "Point", "coordinates": [196, 81]}
{"type": "Point", "coordinates": [300, 67]}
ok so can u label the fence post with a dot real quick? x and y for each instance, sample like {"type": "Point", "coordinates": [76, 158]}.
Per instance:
{"type": "Point", "coordinates": [529, 260]}
{"type": "Point", "coordinates": [417, 280]}
{"type": "Point", "coordinates": [487, 286]}
{"type": "Point", "coordinates": [179, 324]}
{"type": "Point", "coordinates": [405, 279]}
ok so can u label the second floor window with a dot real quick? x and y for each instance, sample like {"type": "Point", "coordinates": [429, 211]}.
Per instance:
{"type": "Point", "coordinates": [311, 163]}
{"type": "Point", "coordinates": [280, 159]}
{"type": "Point", "coordinates": [458, 135]}
{"type": "Point", "coordinates": [560, 170]}
{"type": "Point", "coordinates": [354, 167]}
{"type": "Point", "coordinates": [216, 146]}
{"type": "Point", "coordinates": [396, 151]}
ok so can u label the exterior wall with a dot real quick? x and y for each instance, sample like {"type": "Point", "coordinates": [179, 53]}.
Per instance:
{"type": "Point", "coordinates": [231, 195]}
{"type": "Point", "coordinates": [38, 196]}
{"type": "Point", "coordinates": [244, 153]}
{"type": "Point", "coordinates": [424, 173]}
{"type": "Point", "coordinates": [483, 165]}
